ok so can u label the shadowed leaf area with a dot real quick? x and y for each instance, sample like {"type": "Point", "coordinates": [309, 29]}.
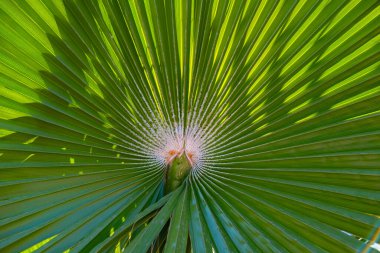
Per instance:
{"type": "Point", "coordinates": [189, 126]}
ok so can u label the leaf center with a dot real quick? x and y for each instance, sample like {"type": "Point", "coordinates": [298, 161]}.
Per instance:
{"type": "Point", "coordinates": [177, 171]}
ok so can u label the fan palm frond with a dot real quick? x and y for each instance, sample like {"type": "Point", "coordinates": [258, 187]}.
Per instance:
{"type": "Point", "coordinates": [179, 126]}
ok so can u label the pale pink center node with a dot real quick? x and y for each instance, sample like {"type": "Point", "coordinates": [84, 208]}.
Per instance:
{"type": "Point", "coordinates": [175, 145]}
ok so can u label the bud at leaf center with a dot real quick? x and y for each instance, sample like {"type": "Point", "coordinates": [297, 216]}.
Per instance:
{"type": "Point", "coordinates": [177, 171]}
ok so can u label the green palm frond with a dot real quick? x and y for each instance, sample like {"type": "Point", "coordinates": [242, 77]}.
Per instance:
{"type": "Point", "coordinates": [273, 106]}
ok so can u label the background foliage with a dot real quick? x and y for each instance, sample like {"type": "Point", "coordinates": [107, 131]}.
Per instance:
{"type": "Point", "coordinates": [285, 96]}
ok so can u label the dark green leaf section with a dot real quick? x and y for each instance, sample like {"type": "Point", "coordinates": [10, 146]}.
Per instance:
{"type": "Point", "coordinates": [141, 220]}
{"type": "Point", "coordinates": [285, 94]}
{"type": "Point", "coordinates": [148, 234]}
{"type": "Point", "coordinates": [178, 231]}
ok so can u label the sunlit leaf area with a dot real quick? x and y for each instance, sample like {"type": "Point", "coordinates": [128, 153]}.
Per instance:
{"type": "Point", "coordinates": [189, 126]}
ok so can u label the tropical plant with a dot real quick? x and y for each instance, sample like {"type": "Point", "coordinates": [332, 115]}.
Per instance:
{"type": "Point", "coordinates": [189, 126]}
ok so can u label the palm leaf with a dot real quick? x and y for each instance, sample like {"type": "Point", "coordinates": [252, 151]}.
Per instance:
{"type": "Point", "coordinates": [276, 104]}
